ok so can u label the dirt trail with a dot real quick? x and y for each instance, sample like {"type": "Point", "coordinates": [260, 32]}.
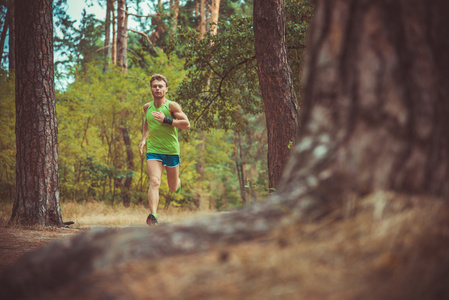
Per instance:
{"type": "Point", "coordinates": [16, 242]}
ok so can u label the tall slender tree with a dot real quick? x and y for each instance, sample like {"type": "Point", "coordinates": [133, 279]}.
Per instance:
{"type": "Point", "coordinates": [37, 196]}
{"type": "Point", "coordinates": [278, 94]}
{"type": "Point", "coordinates": [107, 30]}
{"type": "Point", "coordinates": [214, 14]}
{"type": "Point", "coordinates": [122, 49]}
{"type": "Point", "coordinates": [122, 34]}
{"type": "Point", "coordinates": [202, 13]}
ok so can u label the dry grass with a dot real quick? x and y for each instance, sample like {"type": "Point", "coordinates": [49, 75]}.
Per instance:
{"type": "Point", "coordinates": [94, 213]}
{"type": "Point", "coordinates": [16, 241]}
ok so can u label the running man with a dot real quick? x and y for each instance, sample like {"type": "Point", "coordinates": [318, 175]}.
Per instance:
{"type": "Point", "coordinates": [162, 120]}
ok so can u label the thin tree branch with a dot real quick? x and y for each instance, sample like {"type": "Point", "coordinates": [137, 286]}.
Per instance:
{"type": "Point", "coordinates": [144, 35]}
{"type": "Point", "coordinates": [102, 48]}
{"type": "Point", "coordinates": [142, 16]}
{"type": "Point", "coordinates": [222, 77]}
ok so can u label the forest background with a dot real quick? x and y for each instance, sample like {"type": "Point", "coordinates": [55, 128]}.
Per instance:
{"type": "Point", "coordinates": [206, 52]}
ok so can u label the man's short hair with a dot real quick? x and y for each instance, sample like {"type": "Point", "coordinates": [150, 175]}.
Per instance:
{"type": "Point", "coordinates": [158, 77]}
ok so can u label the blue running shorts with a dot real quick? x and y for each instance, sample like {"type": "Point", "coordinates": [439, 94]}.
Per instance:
{"type": "Point", "coordinates": [167, 160]}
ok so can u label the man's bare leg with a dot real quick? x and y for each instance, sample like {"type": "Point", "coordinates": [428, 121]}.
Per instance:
{"type": "Point", "coordinates": [155, 172]}
{"type": "Point", "coordinates": [173, 178]}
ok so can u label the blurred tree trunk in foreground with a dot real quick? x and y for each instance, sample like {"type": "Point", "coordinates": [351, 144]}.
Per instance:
{"type": "Point", "coordinates": [37, 196]}
{"type": "Point", "coordinates": [278, 94]}
{"type": "Point", "coordinates": [375, 104]}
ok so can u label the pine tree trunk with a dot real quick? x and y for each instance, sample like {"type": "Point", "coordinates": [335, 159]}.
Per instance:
{"type": "Point", "coordinates": [107, 31]}
{"type": "Point", "coordinates": [122, 34]}
{"type": "Point", "coordinates": [214, 13]}
{"type": "Point", "coordinates": [114, 34]}
{"type": "Point", "coordinates": [37, 196]}
{"type": "Point", "coordinates": [277, 89]}
{"type": "Point", "coordinates": [375, 110]}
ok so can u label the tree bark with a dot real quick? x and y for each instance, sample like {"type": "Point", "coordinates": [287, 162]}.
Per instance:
{"type": "Point", "coordinates": [276, 86]}
{"type": "Point", "coordinates": [122, 34]}
{"type": "Point", "coordinates": [126, 195]}
{"type": "Point", "coordinates": [202, 18]}
{"type": "Point", "coordinates": [375, 103]}
{"type": "Point", "coordinates": [214, 13]}
{"type": "Point", "coordinates": [240, 166]}
{"type": "Point", "coordinates": [37, 196]}
{"type": "Point", "coordinates": [107, 30]}
{"type": "Point", "coordinates": [114, 34]}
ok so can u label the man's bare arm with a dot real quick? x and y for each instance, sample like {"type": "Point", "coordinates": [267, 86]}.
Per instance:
{"type": "Point", "coordinates": [145, 130]}
{"type": "Point", "coordinates": [180, 118]}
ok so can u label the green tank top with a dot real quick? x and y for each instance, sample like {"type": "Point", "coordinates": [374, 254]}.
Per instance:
{"type": "Point", "coordinates": [162, 138]}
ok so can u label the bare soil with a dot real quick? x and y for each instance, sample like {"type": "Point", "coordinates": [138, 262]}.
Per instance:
{"type": "Point", "coordinates": [16, 242]}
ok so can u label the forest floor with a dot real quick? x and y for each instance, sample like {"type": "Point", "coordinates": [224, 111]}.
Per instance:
{"type": "Point", "coordinates": [384, 246]}
{"type": "Point", "coordinates": [16, 242]}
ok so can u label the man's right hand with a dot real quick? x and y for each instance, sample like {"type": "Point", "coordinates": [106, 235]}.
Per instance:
{"type": "Point", "coordinates": [141, 145]}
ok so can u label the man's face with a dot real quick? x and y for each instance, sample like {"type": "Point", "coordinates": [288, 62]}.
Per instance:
{"type": "Point", "coordinates": [159, 89]}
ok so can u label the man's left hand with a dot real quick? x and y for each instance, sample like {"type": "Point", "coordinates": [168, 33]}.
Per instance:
{"type": "Point", "coordinates": [158, 116]}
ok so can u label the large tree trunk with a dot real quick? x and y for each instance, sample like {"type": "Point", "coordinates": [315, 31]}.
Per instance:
{"type": "Point", "coordinates": [375, 103]}
{"type": "Point", "coordinates": [277, 89]}
{"type": "Point", "coordinates": [37, 196]}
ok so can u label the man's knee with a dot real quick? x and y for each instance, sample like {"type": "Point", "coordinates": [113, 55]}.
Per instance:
{"type": "Point", "coordinates": [155, 182]}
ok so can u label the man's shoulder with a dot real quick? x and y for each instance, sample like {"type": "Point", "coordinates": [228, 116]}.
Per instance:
{"type": "Point", "coordinates": [173, 105]}
{"type": "Point", "coordinates": [146, 105]}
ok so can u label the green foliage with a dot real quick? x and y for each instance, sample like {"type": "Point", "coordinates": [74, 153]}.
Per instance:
{"type": "Point", "coordinates": [214, 80]}
{"type": "Point", "coordinates": [91, 114]}
{"type": "Point", "coordinates": [77, 46]}
{"type": "Point", "coordinates": [7, 136]}
{"type": "Point", "coordinates": [222, 75]}
{"type": "Point", "coordinates": [298, 16]}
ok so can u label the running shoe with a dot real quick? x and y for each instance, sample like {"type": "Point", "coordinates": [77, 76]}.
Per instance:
{"type": "Point", "coordinates": [151, 220]}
